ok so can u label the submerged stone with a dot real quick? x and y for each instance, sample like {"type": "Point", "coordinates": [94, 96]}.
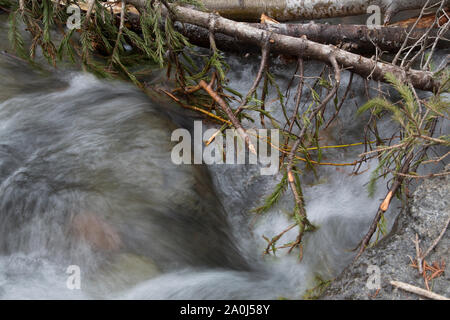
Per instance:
{"type": "Point", "coordinates": [86, 174]}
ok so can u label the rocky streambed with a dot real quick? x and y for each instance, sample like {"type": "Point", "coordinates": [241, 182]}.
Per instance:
{"type": "Point", "coordinates": [426, 216]}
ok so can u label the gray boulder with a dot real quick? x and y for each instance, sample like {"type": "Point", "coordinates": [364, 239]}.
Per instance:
{"type": "Point", "coordinates": [427, 213]}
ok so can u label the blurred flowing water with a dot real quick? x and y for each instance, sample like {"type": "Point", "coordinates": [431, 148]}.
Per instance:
{"type": "Point", "coordinates": [86, 179]}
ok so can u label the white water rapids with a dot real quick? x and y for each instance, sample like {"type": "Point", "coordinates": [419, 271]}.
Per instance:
{"type": "Point", "coordinates": [71, 144]}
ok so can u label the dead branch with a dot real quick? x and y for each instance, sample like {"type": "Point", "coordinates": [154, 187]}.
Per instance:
{"type": "Point", "coordinates": [408, 36]}
{"type": "Point", "coordinates": [398, 180]}
{"type": "Point", "coordinates": [418, 254]}
{"type": "Point", "coordinates": [223, 105]}
{"type": "Point", "coordinates": [418, 291]}
{"type": "Point", "coordinates": [436, 241]}
{"type": "Point", "coordinates": [265, 51]}
{"type": "Point", "coordinates": [277, 237]}
{"type": "Point", "coordinates": [423, 40]}
{"type": "Point", "coordinates": [88, 13]}
{"type": "Point", "coordinates": [353, 38]}
{"type": "Point", "coordinates": [284, 10]}
{"type": "Point", "coordinates": [121, 25]}
{"type": "Point", "coordinates": [422, 80]}
{"type": "Point", "coordinates": [299, 201]}
{"type": "Point", "coordinates": [344, 97]}
{"type": "Point", "coordinates": [288, 45]}
{"type": "Point", "coordinates": [298, 98]}
{"type": "Point", "coordinates": [427, 176]}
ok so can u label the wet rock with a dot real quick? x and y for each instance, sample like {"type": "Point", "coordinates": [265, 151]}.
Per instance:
{"type": "Point", "coordinates": [124, 271]}
{"type": "Point", "coordinates": [86, 172]}
{"type": "Point", "coordinates": [427, 213]}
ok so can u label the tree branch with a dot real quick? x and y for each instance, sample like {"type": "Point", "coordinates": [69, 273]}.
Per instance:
{"type": "Point", "coordinates": [284, 10]}
{"type": "Point", "coordinates": [418, 291]}
{"type": "Point", "coordinates": [353, 38]}
{"type": "Point", "coordinates": [365, 67]}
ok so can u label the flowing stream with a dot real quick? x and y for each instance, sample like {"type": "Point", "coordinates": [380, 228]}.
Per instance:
{"type": "Point", "coordinates": [86, 180]}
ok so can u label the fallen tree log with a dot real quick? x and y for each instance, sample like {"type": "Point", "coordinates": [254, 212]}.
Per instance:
{"type": "Point", "coordinates": [301, 47]}
{"type": "Point", "coordinates": [353, 38]}
{"type": "Point", "coordinates": [285, 10]}
{"type": "Point", "coordinates": [425, 22]}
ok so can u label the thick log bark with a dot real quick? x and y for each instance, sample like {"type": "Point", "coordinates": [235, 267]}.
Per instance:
{"type": "Point", "coordinates": [305, 48]}
{"type": "Point", "coordinates": [300, 47]}
{"type": "Point", "coordinates": [284, 10]}
{"type": "Point", "coordinates": [353, 38]}
{"type": "Point", "coordinates": [425, 22]}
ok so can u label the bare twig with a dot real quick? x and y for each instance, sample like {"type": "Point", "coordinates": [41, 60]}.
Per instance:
{"type": "Point", "coordinates": [409, 33]}
{"type": "Point", "coordinates": [427, 176]}
{"type": "Point", "coordinates": [265, 50]}
{"type": "Point", "coordinates": [418, 291]}
{"type": "Point", "coordinates": [88, 13]}
{"type": "Point", "coordinates": [277, 237]}
{"type": "Point", "coordinates": [443, 30]}
{"type": "Point", "coordinates": [437, 159]}
{"type": "Point", "coordinates": [400, 145]}
{"type": "Point", "coordinates": [299, 201]}
{"type": "Point", "coordinates": [298, 96]}
{"type": "Point", "coordinates": [342, 101]}
{"type": "Point", "coordinates": [121, 25]}
{"type": "Point", "coordinates": [305, 48]}
{"type": "Point", "coordinates": [436, 241]}
{"type": "Point", "coordinates": [223, 105]}
{"type": "Point", "coordinates": [423, 41]}
{"type": "Point", "coordinates": [418, 253]}
{"type": "Point", "coordinates": [384, 205]}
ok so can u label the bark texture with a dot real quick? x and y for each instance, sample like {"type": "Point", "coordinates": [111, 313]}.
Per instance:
{"type": "Point", "coordinates": [352, 38]}
{"type": "Point", "coordinates": [284, 10]}
{"type": "Point", "coordinates": [356, 38]}
{"type": "Point", "coordinates": [308, 49]}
